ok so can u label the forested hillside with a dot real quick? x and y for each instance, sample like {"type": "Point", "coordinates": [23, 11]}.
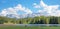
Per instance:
{"type": "Point", "coordinates": [31, 20]}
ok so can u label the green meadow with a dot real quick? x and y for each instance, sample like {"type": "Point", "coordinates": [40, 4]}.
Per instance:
{"type": "Point", "coordinates": [27, 27]}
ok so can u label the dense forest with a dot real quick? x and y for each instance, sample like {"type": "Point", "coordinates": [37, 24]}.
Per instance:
{"type": "Point", "coordinates": [31, 20]}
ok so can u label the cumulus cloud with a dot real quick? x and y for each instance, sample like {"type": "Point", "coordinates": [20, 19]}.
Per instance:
{"type": "Point", "coordinates": [36, 6]}
{"type": "Point", "coordinates": [4, 12]}
{"type": "Point", "coordinates": [52, 10]}
{"type": "Point", "coordinates": [14, 10]}
{"type": "Point", "coordinates": [19, 7]}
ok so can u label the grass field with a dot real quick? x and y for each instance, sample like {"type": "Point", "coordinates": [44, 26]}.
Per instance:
{"type": "Point", "coordinates": [26, 27]}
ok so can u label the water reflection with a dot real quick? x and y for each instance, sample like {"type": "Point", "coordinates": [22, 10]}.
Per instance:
{"type": "Point", "coordinates": [37, 24]}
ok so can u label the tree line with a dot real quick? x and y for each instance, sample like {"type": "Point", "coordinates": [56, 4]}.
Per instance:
{"type": "Point", "coordinates": [31, 20]}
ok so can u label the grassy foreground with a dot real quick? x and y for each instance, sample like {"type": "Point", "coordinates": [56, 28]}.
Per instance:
{"type": "Point", "coordinates": [27, 27]}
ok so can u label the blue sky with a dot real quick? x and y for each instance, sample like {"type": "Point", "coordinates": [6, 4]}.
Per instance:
{"type": "Point", "coordinates": [4, 4]}
{"type": "Point", "coordinates": [26, 3]}
{"type": "Point", "coordinates": [12, 3]}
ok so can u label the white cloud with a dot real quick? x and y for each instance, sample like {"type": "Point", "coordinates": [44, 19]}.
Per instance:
{"type": "Point", "coordinates": [23, 9]}
{"type": "Point", "coordinates": [19, 7]}
{"type": "Point", "coordinates": [52, 10]}
{"type": "Point", "coordinates": [14, 10]}
{"type": "Point", "coordinates": [4, 12]}
{"type": "Point", "coordinates": [36, 6]}
{"type": "Point", "coordinates": [28, 11]}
